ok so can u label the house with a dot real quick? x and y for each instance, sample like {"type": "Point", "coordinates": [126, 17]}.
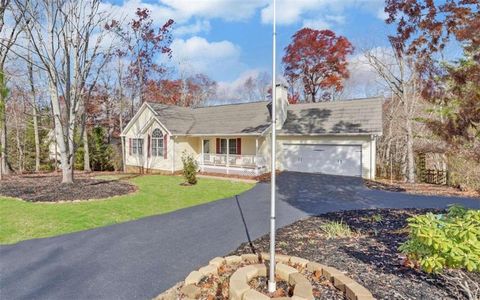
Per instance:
{"type": "Point", "coordinates": [329, 137]}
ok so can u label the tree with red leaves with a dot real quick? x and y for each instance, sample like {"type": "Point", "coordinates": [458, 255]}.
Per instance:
{"type": "Point", "coordinates": [143, 42]}
{"type": "Point", "coordinates": [318, 59]}
{"type": "Point", "coordinates": [189, 92]}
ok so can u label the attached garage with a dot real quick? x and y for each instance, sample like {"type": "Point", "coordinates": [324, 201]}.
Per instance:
{"type": "Point", "coordinates": [344, 160]}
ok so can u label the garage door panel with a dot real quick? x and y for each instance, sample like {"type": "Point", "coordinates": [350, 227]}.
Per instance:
{"type": "Point", "coordinates": [327, 159]}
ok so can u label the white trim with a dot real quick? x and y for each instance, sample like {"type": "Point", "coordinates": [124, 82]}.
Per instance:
{"type": "Point", "coordinates": [133, 120]}
{"type": "Point", "coordinates": [366, 134]}
{"type": "Point", "coordinates": [138, 114]}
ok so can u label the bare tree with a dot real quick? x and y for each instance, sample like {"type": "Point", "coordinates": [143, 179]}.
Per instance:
{"type": "Point", "coordinates": [34, 114]}
{"type": "Point", "coordinates": [66, 36]}
{"type": "Point", "coordinates": [398, 71]}
{"type": "Point", "coordinates": [8, 37]}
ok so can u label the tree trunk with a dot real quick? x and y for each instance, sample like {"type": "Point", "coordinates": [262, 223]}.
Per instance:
{"type": "Point", "coordinates": [3, 143]}
{"type": "Point", "coordinates": [410, 161]}
{"type": "Point", "coordinates": [37, 138]}
{"type": "Point", "coordinates": [86, 152]}
{"type": "Point", "coordinates": [35, 118]}
{"type": "Point", "coordinates": [67, 174]}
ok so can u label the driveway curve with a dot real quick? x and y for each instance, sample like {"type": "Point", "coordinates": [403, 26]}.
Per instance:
{"type": "Point", "coordinates": [140, 259]}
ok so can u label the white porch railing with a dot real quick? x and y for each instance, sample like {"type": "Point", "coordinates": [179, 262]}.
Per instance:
{"type": "Point", "coordinates": [232, 163]}
{"type": "Point", "coordinates": [231, 160]}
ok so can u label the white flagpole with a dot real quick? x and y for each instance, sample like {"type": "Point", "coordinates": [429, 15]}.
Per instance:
{"type": "Point", "coordinates": [272, 286]}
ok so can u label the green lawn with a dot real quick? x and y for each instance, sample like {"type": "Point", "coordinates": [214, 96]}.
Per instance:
{"type": "Point", "coordinates": [156, 194]}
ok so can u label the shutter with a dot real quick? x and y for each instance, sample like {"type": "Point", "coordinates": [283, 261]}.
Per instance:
{"type": "Point", "coordinates": [218, 146]}
{"type": "Point", "coordinates": [130, 146]}
{"type": "Point", "coordinates": [165, 143]}
{"type": "Point", "coordinates": [239, 146]}
{"type": "Point", "coordinates": [149, 145]}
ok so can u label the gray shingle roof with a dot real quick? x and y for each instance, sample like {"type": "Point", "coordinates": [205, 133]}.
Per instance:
{"type": "Point", "coordinates": [358, 116]}
{"type": "Point", "coordinates": [340, 117]}
{"type": "Point", "coordinates": [245, 118]}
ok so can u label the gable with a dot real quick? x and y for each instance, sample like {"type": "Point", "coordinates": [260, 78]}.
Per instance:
{"type": "Point", "coordinates": [143, 119]}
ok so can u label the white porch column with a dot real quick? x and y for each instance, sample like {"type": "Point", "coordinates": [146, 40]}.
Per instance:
{"type": "Point", "coordinates": [256, 156]}
{"type": "Point", "coordinates": [202, 160]}
{"type": "Point", "coordinates": [228, 155]}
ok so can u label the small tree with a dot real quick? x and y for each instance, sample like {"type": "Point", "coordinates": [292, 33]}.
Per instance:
{"type": "Point", "coordinates": [317, 59]}
{"type": "Point", "coordinates": [190, 168]}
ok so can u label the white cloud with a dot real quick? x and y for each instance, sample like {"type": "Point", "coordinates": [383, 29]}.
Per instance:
{"type": "Point", "coordinates": [196, 54]}
{"type": "Point", "coordinates": [317, 24]}
{"type": "Point", "coordinates": [364, 80]}
{"type": "Point", "coordinates": [228, 10]}
{"type": "Point", "coordinates": [289, 12]}
{"type": "Point", "coordinates": [381, 14]}
{"type": "Point", "coordinates": [193, 28]}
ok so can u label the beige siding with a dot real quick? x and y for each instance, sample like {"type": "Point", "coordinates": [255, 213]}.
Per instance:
{"type": "Point", "coordinates": [368, 148]}
{"type": "Point", "coordinates": [191, 145]}
{"type": "Point", "coordinates": [142, 128]}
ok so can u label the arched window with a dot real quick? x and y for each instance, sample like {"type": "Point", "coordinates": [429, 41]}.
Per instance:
{"type": "Point", "coordinates": [157, 143]}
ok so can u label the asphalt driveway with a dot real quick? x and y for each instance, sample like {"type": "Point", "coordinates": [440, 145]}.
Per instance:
{"type": "Point", "coordinates": [140, 259]}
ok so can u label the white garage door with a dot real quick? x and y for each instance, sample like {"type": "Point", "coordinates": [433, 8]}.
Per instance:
{"type": "Point", "coordinates": [343, 160]}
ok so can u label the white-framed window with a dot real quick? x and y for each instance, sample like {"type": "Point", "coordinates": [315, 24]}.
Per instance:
{"type": "Point", "coordinates": [137, 146]}
{"type": "Point", "coordinates": [157, 142]}
{"type": "Point", "coordinates": [232, 146]}
{"type": "Point", "coordinates": [206, 146]}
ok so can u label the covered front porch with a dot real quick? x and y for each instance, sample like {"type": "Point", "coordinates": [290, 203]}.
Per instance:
{"type": "Point", "coordinates": [232, 155]}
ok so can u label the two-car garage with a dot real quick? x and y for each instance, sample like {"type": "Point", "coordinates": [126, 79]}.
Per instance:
{"type": "Point", "coordinates": [334, 155]}
{"type": "Point", "coordinates": [345, 160]}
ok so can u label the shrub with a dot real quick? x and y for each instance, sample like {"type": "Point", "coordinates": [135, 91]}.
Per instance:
{"type": "Point", "coordinates": [335, 229]}
{"type": "Point", "coordinates": [451, 240]}
{"type": "Point", "coordinates": [190, 168]}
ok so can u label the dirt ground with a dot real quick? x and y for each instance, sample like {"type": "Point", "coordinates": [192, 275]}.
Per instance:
{"type": "Point", "coordinates": [48, 188]}
{"type": "Point", "coordinates": [370, 257]}
{"type": "Point", "coordinates": [419, 188]}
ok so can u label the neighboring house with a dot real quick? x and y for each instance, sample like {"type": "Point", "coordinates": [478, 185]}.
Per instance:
{"type": "Point", "coordinates": [328, 137]}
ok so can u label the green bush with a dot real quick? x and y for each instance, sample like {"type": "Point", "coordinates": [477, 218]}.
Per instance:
{"type": "Point", "coordinates": [451, 240]}
{"type": "Point", "coordinates": [190, 168]}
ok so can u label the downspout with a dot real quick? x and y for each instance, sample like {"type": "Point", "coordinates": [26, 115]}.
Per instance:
{"type": "Point", "coordinates": [124, 155]}
{"type": "Point", "coordinates": [372, 164]}
{"type": "Point", "coordinates": [173, 154]}
{"type": "Point", "coordinates": [228, 155]}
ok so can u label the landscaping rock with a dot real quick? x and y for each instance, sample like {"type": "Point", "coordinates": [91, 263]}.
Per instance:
{"type": "Point", "coordinates": [313, 266]}
{"type": "Point", "coordinates": [251, 258]}
{"type": "Point", "coordinates": [191, 291]}
{"type": "Point", "coordinates": [354, 291]}
{"type": "Point", "coordinates": [330, 272]}
{"type": "Point", "coordinates": [234, 259]}
{"type": "Point", "coordinates": [207, 270]}
{"type": "Point", "coordinates": [297, 278]}
{"type": "Point", "coordinates": [193, 278]}
{"type": "Point", "coordinates": [254, 295]}
{"type": "Point", "coordinates": [299, 261]}
{"type": "Point", "coordinates": [217, 261]}
{"type": "Point", "coordinates": [237, 288]}
{"type": "Point", "coordinates": [304, 290]}
{"type": "Point", "coordinates": [341, 280]}
{"type": "Point", "coordinates": [284, 271]}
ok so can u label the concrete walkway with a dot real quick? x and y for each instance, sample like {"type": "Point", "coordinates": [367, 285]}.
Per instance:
{"type": "Point", "coordinates": [140, 259]}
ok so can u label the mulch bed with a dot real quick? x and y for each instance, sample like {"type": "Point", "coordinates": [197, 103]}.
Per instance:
{"type": "Point", "coordinates": [369, 257]}
{"type": "Point", "coordinates": [48, 188]}
{"type": "Point", "coordinates": [419, 188]}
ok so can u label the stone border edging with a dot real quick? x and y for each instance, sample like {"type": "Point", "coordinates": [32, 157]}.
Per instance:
{"type": "Point", "coordinates": [240, 290]}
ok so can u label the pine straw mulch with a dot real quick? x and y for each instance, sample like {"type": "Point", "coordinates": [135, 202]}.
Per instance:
{"type": "Point", "coordinates": [419, 188]}
{"type": "Point", "coordinates": [48, 188]}
{"type": "Point", "coordinates": [370, 256]}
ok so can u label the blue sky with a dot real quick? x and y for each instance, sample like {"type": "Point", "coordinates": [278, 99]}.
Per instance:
{"type": "Point", "coordinates": [229, 39]}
